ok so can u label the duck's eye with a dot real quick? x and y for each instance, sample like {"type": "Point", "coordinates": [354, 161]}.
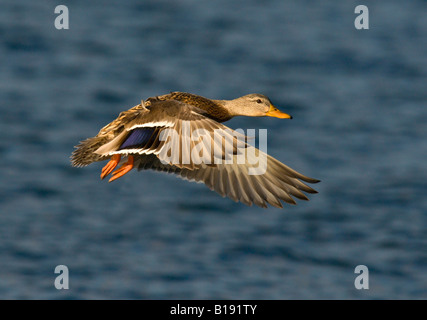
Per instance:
{"type": "Point", "coordinates": [258, 101]}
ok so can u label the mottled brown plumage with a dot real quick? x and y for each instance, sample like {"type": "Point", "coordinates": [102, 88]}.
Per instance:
{"type": "Point", "coordinates": [214, 108]}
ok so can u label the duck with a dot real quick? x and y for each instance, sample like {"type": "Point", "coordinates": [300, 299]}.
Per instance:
{"type": "Point", "coordinates": [178, 132]}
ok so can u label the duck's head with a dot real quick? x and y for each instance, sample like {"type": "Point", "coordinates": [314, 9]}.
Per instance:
{"type": "Point", "coordinates": [255, 105]}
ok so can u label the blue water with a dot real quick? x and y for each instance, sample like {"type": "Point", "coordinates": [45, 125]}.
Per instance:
{"type": "Point", "coordinates": [358, 99]}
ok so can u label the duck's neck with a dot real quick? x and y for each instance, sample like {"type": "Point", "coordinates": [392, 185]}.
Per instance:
{"type": "Point", "coordinates": [221, 110]}
{"type": "Point", "coordinates": [232, 107]}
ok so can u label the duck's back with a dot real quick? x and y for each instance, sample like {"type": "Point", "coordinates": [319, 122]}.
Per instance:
{"type": "Point", "coordinates": [213, 108]}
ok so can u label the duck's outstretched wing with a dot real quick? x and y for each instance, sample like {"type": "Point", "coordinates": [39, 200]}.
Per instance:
{"type": "Point", "coordinates": [278, 183]}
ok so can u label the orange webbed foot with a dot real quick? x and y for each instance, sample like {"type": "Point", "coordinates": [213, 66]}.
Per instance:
{"type": "Point", "coordinates": [110, 166]}
{"type": "Point", "coordinates": [125, 168]}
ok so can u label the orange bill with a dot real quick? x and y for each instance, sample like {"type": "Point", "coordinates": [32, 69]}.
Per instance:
{"type": "Point", "coordinates": [276, 113]}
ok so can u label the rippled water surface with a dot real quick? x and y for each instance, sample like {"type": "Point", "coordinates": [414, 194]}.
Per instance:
{"type": "Point", "coordinates": [359, 104]}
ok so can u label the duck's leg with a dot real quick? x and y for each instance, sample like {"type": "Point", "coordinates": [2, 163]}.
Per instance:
{"type": "Point", "coordinates": [125, 168]}
{"type": "Point", "coordinates": [110, 166]}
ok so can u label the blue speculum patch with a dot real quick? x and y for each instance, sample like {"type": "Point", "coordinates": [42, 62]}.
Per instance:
{"type": "Point", "coordinates": [137, 138]}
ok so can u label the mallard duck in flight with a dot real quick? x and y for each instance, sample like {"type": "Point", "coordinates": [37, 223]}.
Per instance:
{"type": "Point", "coordinates": [142, 138]}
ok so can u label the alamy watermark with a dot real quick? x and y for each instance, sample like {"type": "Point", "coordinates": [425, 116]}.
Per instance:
{"type": "Point", "coordinates": [362, 20]}
{"type": "Point", "coordinates": [62, 280]}
{"type": "Point", "coordinates": [62, 21]}
{"type": "Point", "coordinates": [362, 280]}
